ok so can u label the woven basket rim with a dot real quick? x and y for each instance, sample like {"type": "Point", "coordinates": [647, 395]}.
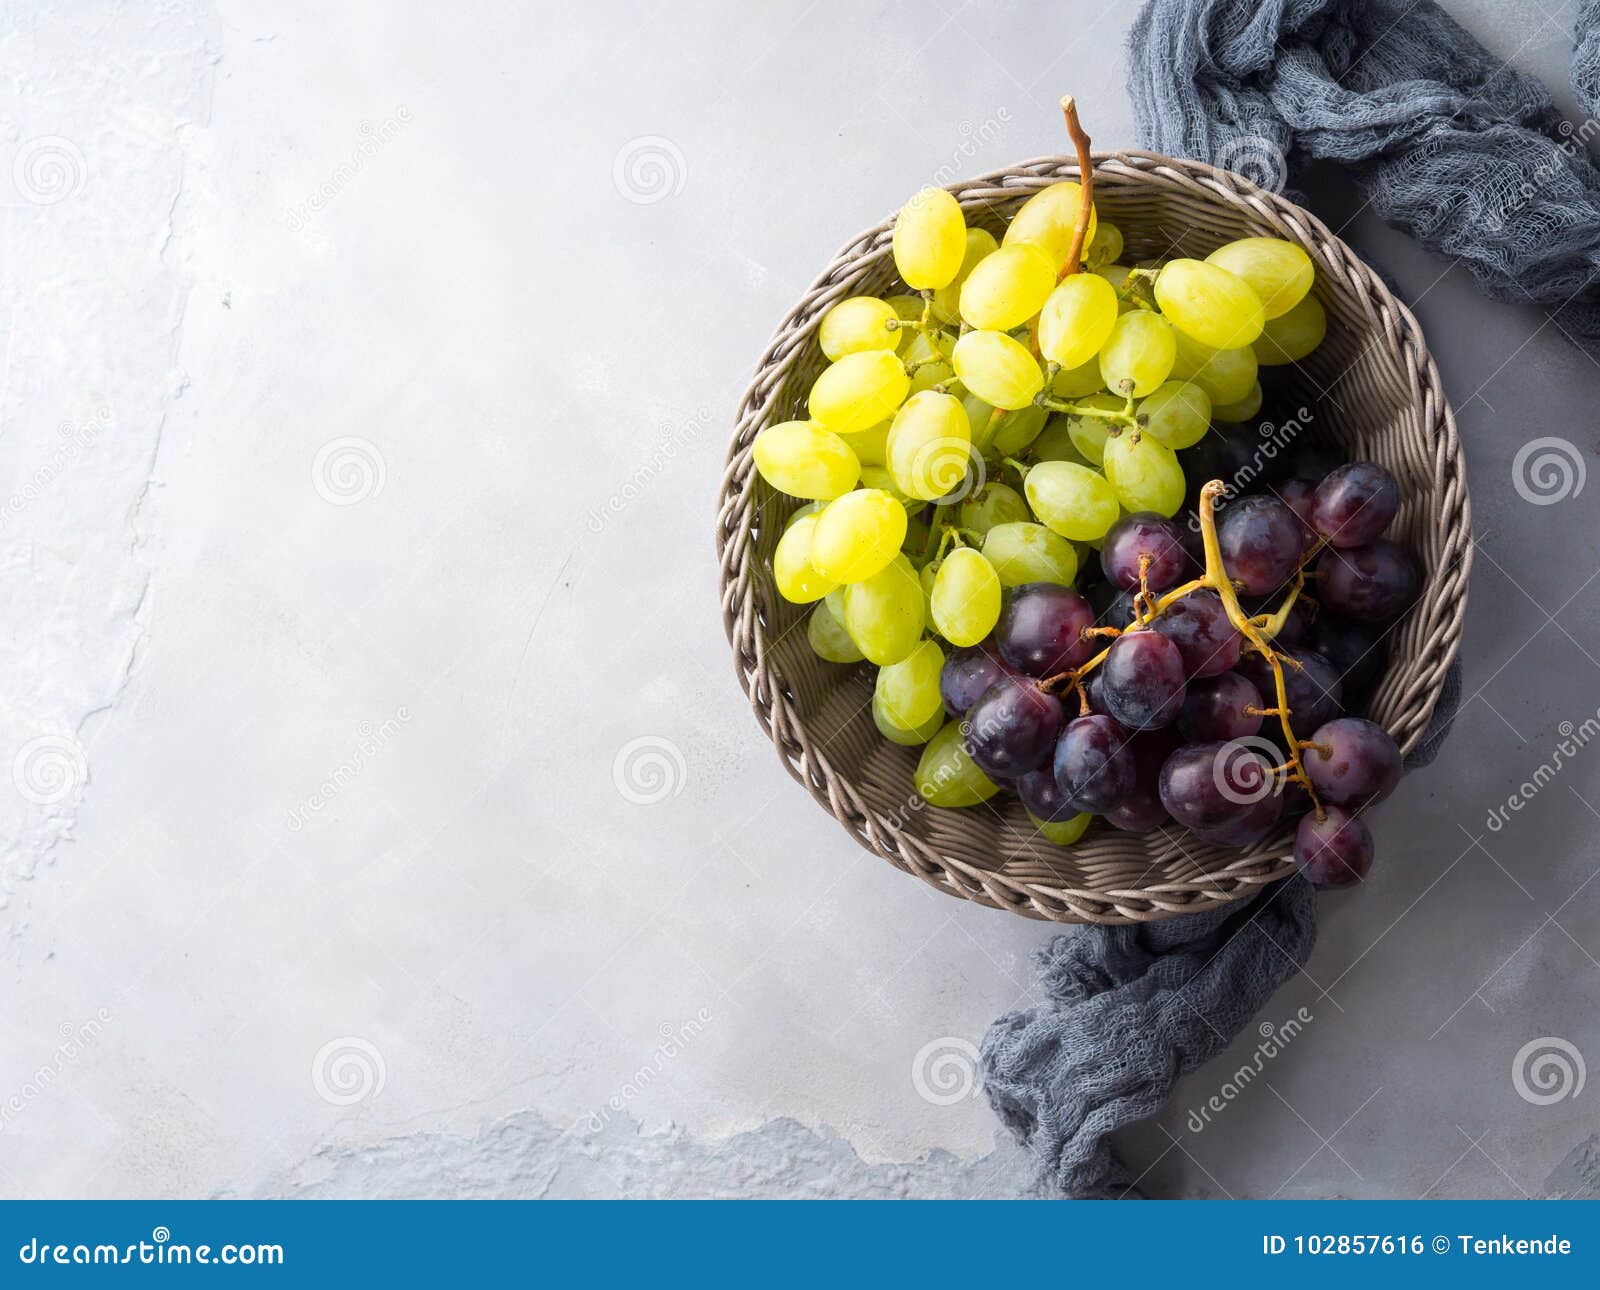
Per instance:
{"type": "Point", "coordinates": [1444, 595]}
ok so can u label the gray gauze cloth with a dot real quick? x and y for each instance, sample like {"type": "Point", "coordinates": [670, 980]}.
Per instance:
{"type": "Point", "coordinates": [1471, 158]}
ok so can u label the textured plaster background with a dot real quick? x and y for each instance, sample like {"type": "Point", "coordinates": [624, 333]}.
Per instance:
{"type": "Point", "coordinates": [378, 813]}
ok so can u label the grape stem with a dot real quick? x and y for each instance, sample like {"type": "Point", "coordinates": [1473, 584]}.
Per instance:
{"type": "Point", "coordinates": [1080, 142]}
{"type": "Point", "coordinates": [1258, 632]}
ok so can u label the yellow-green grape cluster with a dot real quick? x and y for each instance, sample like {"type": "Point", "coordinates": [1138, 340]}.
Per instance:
{"type": "Point", "coordinates": [983, 424]}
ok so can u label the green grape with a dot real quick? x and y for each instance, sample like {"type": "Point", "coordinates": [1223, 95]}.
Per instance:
{"type": "Point", "coordinates": [1139, 353]}
{"type": "Point", "coordinates": [869, 445]}
{"type": "Point", "coordinates": [1076, 319]}
{"type": "Point", "coordinates": [917, 533]}
{"type": "Point", "coordinates": [1226, 375]}
{"type": "Point", "coordinates": [965, 603]}
{"type": "Point", "coordinates": [835, 603]}
{"type": "Point", "coordinates": [799, 581]}
{"type": "Point", "coordinates": [1018, 429]}
{"type": "Point", "coordinates": [947, 299]}
{"type": "Point", "coordinates": [1065, 833]}
{"type": "Point", "coordinates": [930, 445]}
{"type": "Point", "coordinates": [810, 508]}
{"type": "Point", "coordinates": [930, 237]}
{"type": "Point", "coordinates": [997, 369]}
{"type": "Point", "coordinates": [1105, 246]}
{"type": "Point", "coordinates": [1024, 552]}
{"type": "Point", "coordinates": [1215, 307]}
{"type": "Point", "coordinates": [947, 775]}
{"type": "Point", "coordinates": [1089, 433]}
{"type": "Point", "coordinates": [1145, 473]}
{"type": "Point", "coordinates": [1290, 337]}
{"type": "Point", "coordinates": [879, 477]}
{"type": "Point", "coordinates": [858, 324]}
{"type": "Point", "coordinates": [1074, 501]}
{"type": "Point", "coordinates": [929, 373]}
{"type": "Point", "coordinates": [884, 613]}
{"type": "Point", "coordinates": [1007, 288]}
{"type": "Point", "coordinates": [909, 689]}
{"type": "Point", "coordinates": [859, 391]}
{"type": "Point", "coordinates": [1047, 219]}
{"type": "Point", "coordinates": [1279, 272]}
{"type": "Point", "coordinates": [804, 460]}
{"type": "Point", "coordinates": [906, 308]}
{"type": "Point", "coordinates": [1055, 444]}
{"type": "Point", "coordinates": [1243, 410]}
{"type": "Point", "coordinates": [1178, 414]}
{"type": "Point", "coordinates": [828, 638]}
{"type": "Point", "coordinates": [1117, 276]}
{"type": "Point", "coordinates": [1075, 382]}
{"type": "Point", "coordinates": [925, 577]}
{"type": "Point", "coordinates": [990, 505]}
{"type": "Point", "coordinates": [858, 535]}
{"type": "Point", "coordinates": [905, 738]}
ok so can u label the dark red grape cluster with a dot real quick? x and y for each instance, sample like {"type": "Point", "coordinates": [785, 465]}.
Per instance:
{"type": "Point", "coordinates": [1235, 651]}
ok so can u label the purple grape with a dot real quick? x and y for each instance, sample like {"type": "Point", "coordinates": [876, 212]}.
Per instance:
{"type": "Point", "coordinates": [1352, 762]}
{"type": "Point", "coordinates": [1260, 541]}
{"type": "Point", "coordinates": [1092, 692]}
{"type": "Point", "coordinates": [1012, 728]}
{"type": "Point", "coordinates": [1143, 680]}
{"type": "Point", "coordinates": [1142, 808]}
{"type": "Point", "coordinates": [1043, 798]}
{"type": "Point", "coordinates": [1144, 534]}
{"type": "Point", "coordinates": [1221, 792]}
{"type": "Point", "coordinates": [1041, 628]}
{"type": "Point", "coordinates": [1353, 648]}
{"type": "Point", "coordinates": [1371, 584]}
{"type": "Point", "coordinates": [1354, 504]}
{"type": "Point", "coordinates": [1199, 626]}
{"type": "Point", "coordinates": [1215, 709]}
{"type": "Point", "coordinates": [1333, 851]}
{"type": "Point", "coordinates": [1094, 763]}
{"type": "Point", "coordinates": [1314, 690]}
{"type": "Point", "coordinates": [1296, 494]}
{"type": "Point", "coordinates": [1119, 609]}
{"type": "Point", "coordinates": [968, 673]}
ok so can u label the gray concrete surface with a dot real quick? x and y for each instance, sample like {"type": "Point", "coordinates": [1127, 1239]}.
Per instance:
{"type": "Point", "coordinates": [383, 818]}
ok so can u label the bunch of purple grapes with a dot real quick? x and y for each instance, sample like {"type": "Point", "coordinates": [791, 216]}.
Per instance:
{"type": "Point", "coordinates": [1179, 719]}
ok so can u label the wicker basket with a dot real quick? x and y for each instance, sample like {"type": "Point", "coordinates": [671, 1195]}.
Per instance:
{"type": "Point", "coordinates": [1378, 397]}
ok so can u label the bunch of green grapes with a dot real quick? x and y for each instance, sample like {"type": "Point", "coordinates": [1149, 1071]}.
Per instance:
{"type": "Point", "coordinates": [981, 429]}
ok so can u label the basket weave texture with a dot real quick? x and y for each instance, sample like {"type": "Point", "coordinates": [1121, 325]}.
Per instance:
{"type": "Point", "coordinates": [1371, 389]}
